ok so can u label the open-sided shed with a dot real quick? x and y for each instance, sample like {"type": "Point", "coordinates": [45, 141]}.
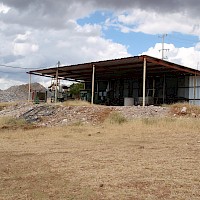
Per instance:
{"type": "Point", "coordinates": [144, 79]}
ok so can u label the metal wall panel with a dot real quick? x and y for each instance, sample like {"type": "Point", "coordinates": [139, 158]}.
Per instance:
{"type": "Point", "coordinates": [194, 90]}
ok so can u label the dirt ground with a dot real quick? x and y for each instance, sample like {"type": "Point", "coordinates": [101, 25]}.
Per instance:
{"type": "Point", "coordinates": [143, 159]}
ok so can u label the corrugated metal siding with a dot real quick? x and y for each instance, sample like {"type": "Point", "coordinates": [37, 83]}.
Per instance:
{"type": "Point", "coordinates": [194, 92]}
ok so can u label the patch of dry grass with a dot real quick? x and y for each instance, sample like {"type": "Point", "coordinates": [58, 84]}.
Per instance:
{"type": "Point", "coordinates": [7, 123]}
{"type": "Point", "coordinates": [6, 104]}
{"type": "Point", "coordinates": [76, 103]}
{"type": "Point", "coordinates": [116, 118]}
{"type": "Point", "coordinates": [177, 107]}
{"type": "Point", "coordinates": [153, 158]}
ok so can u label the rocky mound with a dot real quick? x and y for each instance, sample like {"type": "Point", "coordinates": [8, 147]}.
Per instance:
{"type": "Point", "coordinates": [55, 115]}
{"type": "Point", "coordinates": [19, 93]}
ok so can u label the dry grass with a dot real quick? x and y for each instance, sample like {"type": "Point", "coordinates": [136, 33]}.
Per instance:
{"type": "Point", "coordinates": [116, 118]}
{"type": "Point", "coordinates": [76, 103]}
{"type": "Point", "coordinates": [176, 109]}
{"type": "Point", "coordinates": [10, 123]}
{"type": "Point", "coordinates": [6, 104]}
{"type": "Point", "coordinates": [144, 159]}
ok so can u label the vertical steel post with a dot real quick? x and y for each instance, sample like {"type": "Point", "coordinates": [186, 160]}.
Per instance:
{"type": "Point", "coordinates": [144, 81]}
{"type": "Point", "coordinates": [56, 89]}
{"type": "Point", "coordinates": [29, 88]}
{"type": "Point", "coordinates": [93, 72]}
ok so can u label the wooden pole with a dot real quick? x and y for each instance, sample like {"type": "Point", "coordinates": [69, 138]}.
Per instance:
{"type": "Point", "coordinates": [144, 81]}
{"type": "Point", "coordinates": [29, 89]}
{"type": "Point", "coordinates": [56, 89]}
{"type": "Point", "coordinates": [93, 72]}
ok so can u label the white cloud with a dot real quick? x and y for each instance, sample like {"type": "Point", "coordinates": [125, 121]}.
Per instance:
{"type": "Point", "coordinates": [150, 22]}
{"type": "Point", "coordinates": [24, 48]}
{"type": "Point", "coordinates": [189, 57]}
{"type": "Point", "coordinates": [4, 9]}
{"type": "Point", "coordinates": [5, 83]}
{"type": "Point", "coordinates": [40, 49]}
{"type": "Point", "coordinates": [24, 44]}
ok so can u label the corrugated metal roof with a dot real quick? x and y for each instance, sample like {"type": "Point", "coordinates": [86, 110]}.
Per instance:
{"type": "Point", "coordinates": [118, 68]}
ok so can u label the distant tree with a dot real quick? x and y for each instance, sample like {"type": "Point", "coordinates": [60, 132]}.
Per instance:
{"type": "Point", "coordinates": [75, 89]}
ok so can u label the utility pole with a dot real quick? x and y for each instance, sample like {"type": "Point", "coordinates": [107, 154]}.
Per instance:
{"type": "Point", "coordinates": [163, 48]}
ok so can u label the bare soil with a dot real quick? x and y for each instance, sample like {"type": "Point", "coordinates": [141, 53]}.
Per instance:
{"type": "Point", "coordinates": [143, 159]}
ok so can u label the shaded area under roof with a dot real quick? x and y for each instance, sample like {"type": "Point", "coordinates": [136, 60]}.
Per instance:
{"type": "Point", "coordinates": [115, 69]}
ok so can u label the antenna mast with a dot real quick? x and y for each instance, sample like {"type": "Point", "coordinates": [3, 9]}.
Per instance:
{"type": "Point", "coordinates": [163, 43]}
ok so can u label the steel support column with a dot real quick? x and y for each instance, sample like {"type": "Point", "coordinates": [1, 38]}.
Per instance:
{"type": "Point", "coordinates": [93, 73]}
{"type": "Point", "coordinates": [29, 89]}
{"type": "Point", "coordinates": [56, 89]}
{"type": "Point", "coordinates": [144, 81]}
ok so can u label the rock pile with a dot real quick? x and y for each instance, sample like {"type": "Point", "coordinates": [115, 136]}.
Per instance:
{"type": "Point", "coordinates": [54, 115]}
{"type": "Point", "coordinates": [19, 93]}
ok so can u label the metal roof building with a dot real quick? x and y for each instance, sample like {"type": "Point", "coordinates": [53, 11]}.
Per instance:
{"type": "Point", "coordinates": [138, 78]}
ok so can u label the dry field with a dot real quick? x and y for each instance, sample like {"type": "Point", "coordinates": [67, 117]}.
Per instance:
{"type": "Point", "coordinates": [143, 159]}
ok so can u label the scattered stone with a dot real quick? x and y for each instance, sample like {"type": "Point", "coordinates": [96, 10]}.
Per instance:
{"type": "Point", "coordinates": [141, 147]}
{"type": "Point", "coordinates": [101, 185]}
{"type": "Point", "coordinates": [89, 135]}
{"type": "Point", "coordinates": [50, 115]}
{"type": "Point", "coordinates": [65, 121]}
{"type": "Point", "coordinates": [194, 115]}
{"type": "Point", "coordinates": [184, 110]}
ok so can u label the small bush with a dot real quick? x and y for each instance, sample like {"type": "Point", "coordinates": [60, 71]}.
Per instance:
{"type": "Point", "coordinates": [116, 118]}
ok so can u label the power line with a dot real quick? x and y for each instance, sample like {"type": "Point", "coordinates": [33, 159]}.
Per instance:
{"type": "Point", "coordinates": [12, 72]}
{"type": "Point", "coordinates": [17, 67]}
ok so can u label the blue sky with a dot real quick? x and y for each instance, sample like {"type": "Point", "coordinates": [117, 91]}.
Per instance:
{"type": "Point", "coordinates": [38, 34]}
{"type": "Point", "coordinates": [137, 42]}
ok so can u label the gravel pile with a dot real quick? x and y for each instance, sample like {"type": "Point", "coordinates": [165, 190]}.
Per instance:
{"type": "Point", "coordinates": [19, 93]}
{"type": "Point", "coordinates": [131, 112]}
{"type": "Point", "coordinates": [54, 115]}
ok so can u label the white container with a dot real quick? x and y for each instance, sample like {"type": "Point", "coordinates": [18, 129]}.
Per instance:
{"type": "Point", "coordinates": [128, 101]}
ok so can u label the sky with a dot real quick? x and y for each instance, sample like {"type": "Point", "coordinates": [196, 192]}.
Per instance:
{"type": "Point", "coordinates": [38, 34]}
